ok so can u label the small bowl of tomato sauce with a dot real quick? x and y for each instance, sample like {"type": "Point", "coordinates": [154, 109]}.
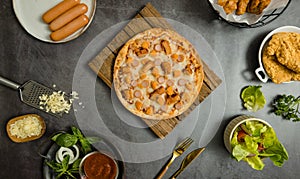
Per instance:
{"type": "Point", "coordinates": [97, 165]}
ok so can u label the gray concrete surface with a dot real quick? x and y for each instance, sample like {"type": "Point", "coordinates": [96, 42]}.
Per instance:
{"type": "Point", "coordinates": [22, 57]}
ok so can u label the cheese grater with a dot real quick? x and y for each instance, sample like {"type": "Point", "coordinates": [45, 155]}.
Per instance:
{"type": "Point", "coordinates": [30, 92]}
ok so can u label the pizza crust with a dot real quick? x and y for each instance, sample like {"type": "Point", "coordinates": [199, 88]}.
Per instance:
{"type": "Point", "coordinates": [158, 74]}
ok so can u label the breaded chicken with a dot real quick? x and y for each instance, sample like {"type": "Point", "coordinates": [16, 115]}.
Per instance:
{"type": "Point", "coordinates": [230, 6]}
{"type": "Point", "coordinates": [277, 72]}
{"type": "Point", "coordinates": [222, 2]}
{"type": "Point", "coordinates": [257, 6]}
{"type": "Point", "coordinates": [242, 7]}
{"type": "Point", "coordinates": [296, 77]}
{"type": "Point", "coordinates": [286, 47]}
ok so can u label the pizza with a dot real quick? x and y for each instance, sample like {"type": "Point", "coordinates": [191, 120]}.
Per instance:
{"type": "Point", "coordinates": [157, 74]}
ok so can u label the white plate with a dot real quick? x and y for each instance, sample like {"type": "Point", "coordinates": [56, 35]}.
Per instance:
{"type": "Point", "coordinates": [29, 14]}
{"type": "Point", "coordinates": [260, 70]}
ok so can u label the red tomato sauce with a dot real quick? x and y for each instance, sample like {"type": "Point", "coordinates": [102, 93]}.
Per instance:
{"type": "Point", "coordinates": [99, 166]}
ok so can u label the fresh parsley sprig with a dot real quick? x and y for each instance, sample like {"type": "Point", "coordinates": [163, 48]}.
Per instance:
{"type": "Point", "coordinates": [288, 107]}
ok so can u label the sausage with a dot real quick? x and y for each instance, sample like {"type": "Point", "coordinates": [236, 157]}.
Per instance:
{"type": "Point", "coordinates": [69, 28]}
{"type": "Point", "coordinates": [68, 16]}
{"type": "Point", "coordinates": [57, 10]}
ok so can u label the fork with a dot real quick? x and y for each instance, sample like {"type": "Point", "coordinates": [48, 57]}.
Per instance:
{"type": "Point", "coordinates": [176, 153]}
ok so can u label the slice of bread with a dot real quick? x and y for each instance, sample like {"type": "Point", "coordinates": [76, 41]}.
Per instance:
{"type": "Point", "coordinates": [16, 139]}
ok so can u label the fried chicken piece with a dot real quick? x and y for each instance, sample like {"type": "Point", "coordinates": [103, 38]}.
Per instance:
{"type": "Point", "coordinates": [286, 47]}
{"type": "Point", "coordinates": [257, 6]}
{"type": "Point", "coordinates": [222, 2]}
{"type": "Point", "coordinates": [252, 7]}
{"type": "Point", "coordinates": [277, 72]}
{"type": "Point", "coordinates": [242, 7]}
{"type": "Point", "coordinates": [230, 6]}
{"type": "Point", "coordinates": [296, 77]}
{"type": "Point", "coordinates": [263, 5]}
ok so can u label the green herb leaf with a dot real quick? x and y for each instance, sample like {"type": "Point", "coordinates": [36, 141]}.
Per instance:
{"type": "Point", "coordinates": [59, 168]}
{"type": "Point", "coordinates": [85, 144]}
{"type": "Point", "coordinates": [65, 162]}
{"type": "Point", "coordinates": [253, 98]}
{"type": "Point", "coordinates": [70, 175]}
{"type": "Point", "coordinates": [55, 166]}
{"type": "Point", "coordinates": [75, 165]}
{"type": "Point", "coordinates": [288, 107]}
{"type": "Point", "coordinates": [54, 138]}
{"type": "Point", "coordinates": [76, 132]}
{"type": "Point", "coordinates": [66, 140]}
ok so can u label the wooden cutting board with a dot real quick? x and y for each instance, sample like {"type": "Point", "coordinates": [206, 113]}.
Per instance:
{"type": "Point", "coordinates": [103, 64]}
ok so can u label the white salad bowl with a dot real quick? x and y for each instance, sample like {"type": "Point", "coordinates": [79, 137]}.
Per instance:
{"type": "Point", "coordinates": [233, 124]}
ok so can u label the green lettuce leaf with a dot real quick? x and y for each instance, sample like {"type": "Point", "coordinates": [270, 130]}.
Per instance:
{"type": "Point", "coordinates": [253, 98]}
{"type": "Point", "coordinates": [239, 152]}
{"type": "Point", "coordinates": [269, 138]}
{"type": "Point", "coordinates": [255, 162]}
{"type": "Point", "coordinates": [278, 154]}
{"type": "Point", "coordinates": [234, 140]}
{"type": "Point", "coordinates": [255, 128]}
{"type": "Point", "coordinates": [250, 144]}
{"type": "Point", "coordinates": [258, 134]}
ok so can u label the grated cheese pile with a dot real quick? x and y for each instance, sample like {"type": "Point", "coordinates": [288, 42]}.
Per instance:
{"type": "Point", "coordinates": [55, 102]}
{"type": "Point", "coordinates": [26, 127]}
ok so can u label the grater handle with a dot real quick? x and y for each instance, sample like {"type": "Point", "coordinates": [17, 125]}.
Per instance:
{"type": "Point", "coordinates": [9, 83]}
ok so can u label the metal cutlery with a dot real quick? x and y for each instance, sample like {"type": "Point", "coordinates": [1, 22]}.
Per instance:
{"type": "Point", "coordinates": [187, 160]}
{"type": "Point", "coordinates": [176, 153]}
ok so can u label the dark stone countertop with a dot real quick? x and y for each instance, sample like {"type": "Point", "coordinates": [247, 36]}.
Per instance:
{"type": "Point", "coordinates": [23, 57]}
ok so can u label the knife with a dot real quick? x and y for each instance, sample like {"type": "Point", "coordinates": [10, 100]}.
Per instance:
{"type": "Point", "coordinates": [187, 160]}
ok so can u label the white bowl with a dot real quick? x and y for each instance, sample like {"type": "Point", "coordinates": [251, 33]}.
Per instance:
{"type": "Point", "coordinates": [260, 71]}
{"type": "Point", "coordinates": [81, 170]}
{"type": "Point", "coordinates": [232, 125]}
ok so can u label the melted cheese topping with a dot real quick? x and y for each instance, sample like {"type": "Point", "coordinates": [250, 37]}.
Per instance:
{"type": "Point", "coordinates": [159, 75]}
